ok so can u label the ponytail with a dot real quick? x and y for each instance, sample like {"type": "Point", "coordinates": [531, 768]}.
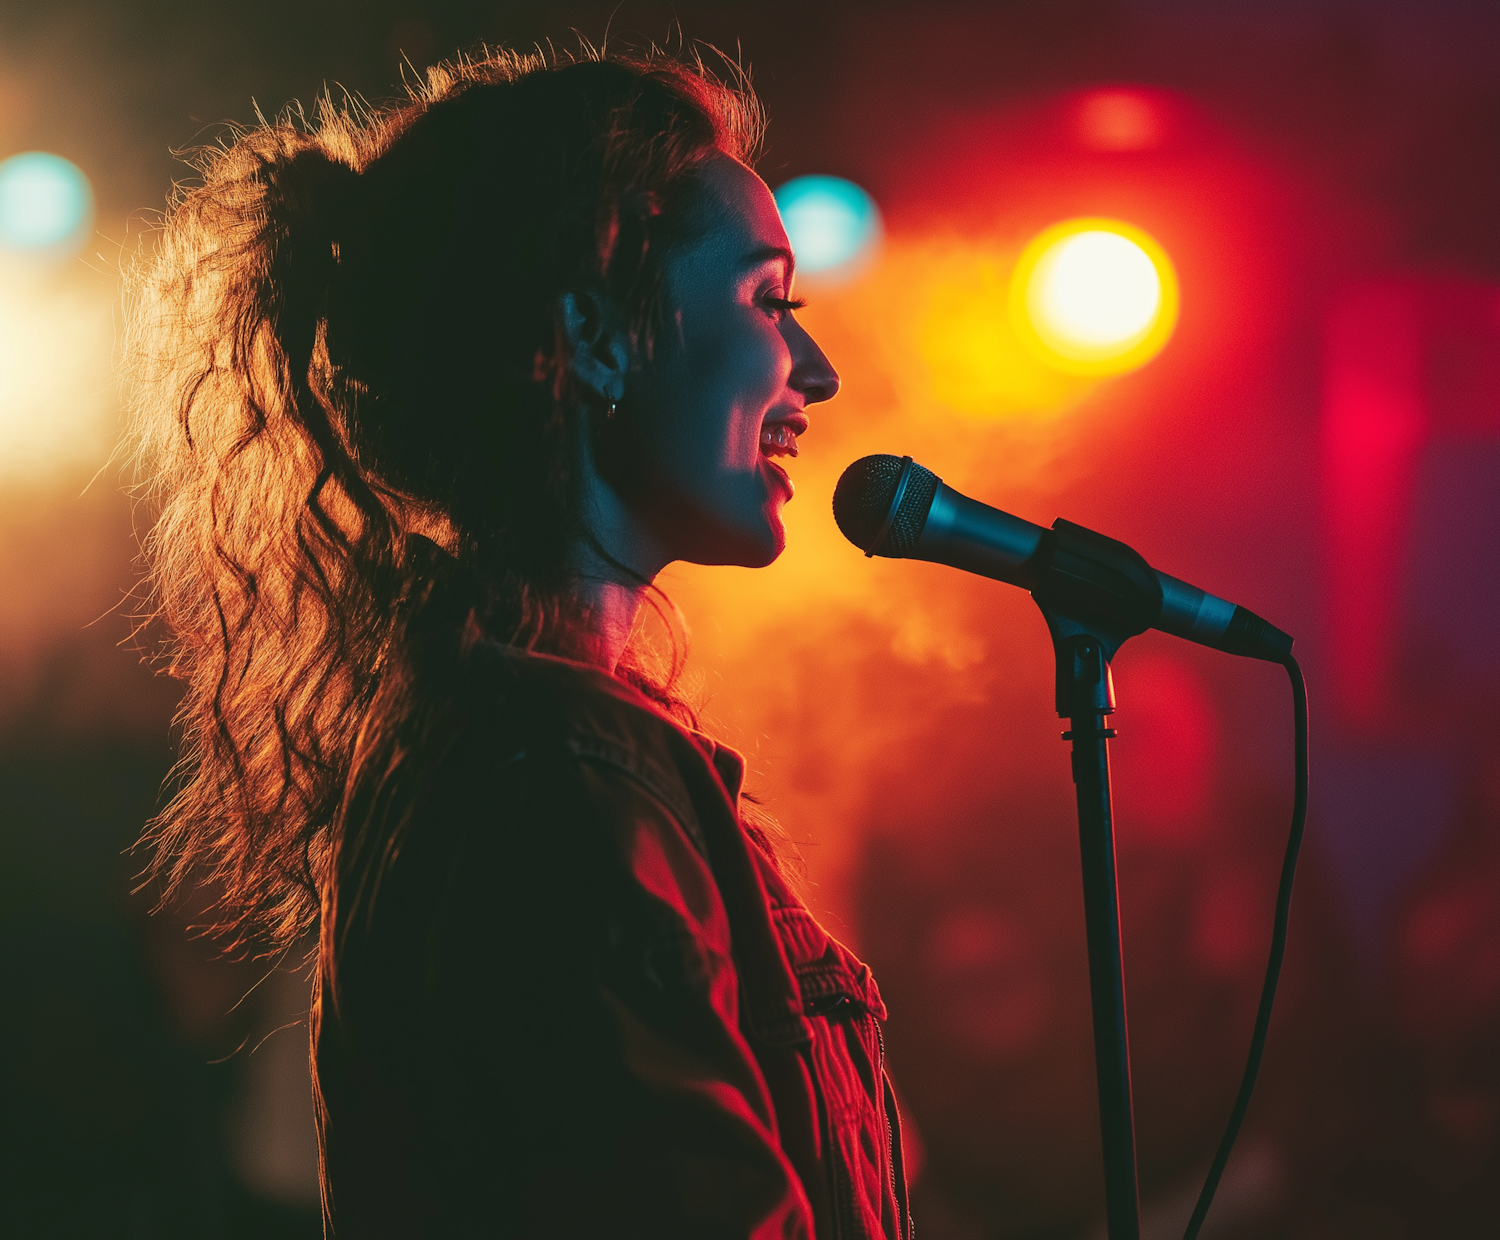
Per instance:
{"type": "Point", "coordinates": [271, 549]}
{"type": "Point", "coordinates": [308, 197]}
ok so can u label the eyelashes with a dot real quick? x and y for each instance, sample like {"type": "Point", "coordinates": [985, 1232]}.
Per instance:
{"type": "Point", "coordinates": [784, 305]}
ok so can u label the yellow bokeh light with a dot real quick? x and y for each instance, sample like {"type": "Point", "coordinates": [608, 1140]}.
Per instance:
{"type": "Point", "coordinates": [57, 397]}
{"type": "Point", "coordinates": [1094, 296]}
{"type": "Point", "coordinates": [975, 363]}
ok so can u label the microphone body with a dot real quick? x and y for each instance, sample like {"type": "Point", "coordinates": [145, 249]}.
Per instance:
{"type": "Point", "coordinates": [963, 533]}
{"type": "Point", "coordinates": [1069, 569]}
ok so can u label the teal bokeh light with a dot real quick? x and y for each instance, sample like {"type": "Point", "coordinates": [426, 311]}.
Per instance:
{"type": "Point", "coordinates": [833, 224]}
{"type": "Point", "coordinates": [46, 204]}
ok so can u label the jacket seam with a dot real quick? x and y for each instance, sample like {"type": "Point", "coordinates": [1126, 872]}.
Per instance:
{"type": "Point", "coordinates": [596, 749]}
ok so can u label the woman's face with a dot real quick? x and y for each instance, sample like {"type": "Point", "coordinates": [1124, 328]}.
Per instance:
{"type": "Point", "coordinates": [713, 419]}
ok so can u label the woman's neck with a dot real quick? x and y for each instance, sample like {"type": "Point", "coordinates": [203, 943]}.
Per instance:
{"type": "Point", "coordinates": [614, 566]}
{"type": "Point", "coordinates": [612, 606]}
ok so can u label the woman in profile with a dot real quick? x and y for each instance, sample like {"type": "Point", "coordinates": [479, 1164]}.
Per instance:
{"type": "Point", "coordinates": [428, 396]}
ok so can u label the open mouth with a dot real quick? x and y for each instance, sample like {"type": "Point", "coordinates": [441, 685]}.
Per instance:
{"type": "Point", "coordinates": [778, 440]}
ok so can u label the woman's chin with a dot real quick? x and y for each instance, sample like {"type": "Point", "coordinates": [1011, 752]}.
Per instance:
{"type": "Point", "coordinates": [746, 546]}
{"type": "Point", "coordinates": [770, 553]}
{"type": "Point", "coordinates": [771, 541]}
{"type": "Point", "coordinates": [757, 553]}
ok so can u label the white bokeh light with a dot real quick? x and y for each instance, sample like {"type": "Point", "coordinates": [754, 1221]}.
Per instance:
{"type": "Point", "coordinates": [1095, 290]}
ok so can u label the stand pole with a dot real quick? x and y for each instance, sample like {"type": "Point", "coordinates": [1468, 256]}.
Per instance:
{"type": "Point", "coordinates": [1085, 695]}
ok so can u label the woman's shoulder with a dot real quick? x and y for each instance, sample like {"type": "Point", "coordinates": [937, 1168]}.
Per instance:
{"type": "Point", "coordinates": [526, 758]}
{"type": "Point", "coordinates": [549, 691]}
{"type": "Point", "coordinates": [542, 702]}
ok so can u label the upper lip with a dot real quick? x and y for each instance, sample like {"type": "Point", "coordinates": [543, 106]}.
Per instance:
{"type": "Point", "coordinates": [797, 421]}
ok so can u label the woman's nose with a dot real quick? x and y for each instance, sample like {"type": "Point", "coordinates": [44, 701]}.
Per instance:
{"type": "Point", "coordinates": [812, 374]}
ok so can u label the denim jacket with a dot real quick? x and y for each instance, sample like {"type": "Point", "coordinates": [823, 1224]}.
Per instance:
{"type": "Point", "coordinates": [584, 1002]}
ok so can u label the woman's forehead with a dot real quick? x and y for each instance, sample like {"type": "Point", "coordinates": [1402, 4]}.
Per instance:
{"type": "Point", "coordinates": [740, 206]}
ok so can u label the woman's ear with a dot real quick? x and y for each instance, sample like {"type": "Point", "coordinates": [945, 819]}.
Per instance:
{"type": "Point", "coordinates": [599, 344]}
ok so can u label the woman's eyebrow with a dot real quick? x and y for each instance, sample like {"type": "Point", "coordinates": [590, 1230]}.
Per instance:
{"type": "Point", "coordinates": [768, 253]}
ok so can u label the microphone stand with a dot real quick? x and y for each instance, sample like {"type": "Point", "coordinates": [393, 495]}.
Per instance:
{"type": "Point", "coordinates": [1085, 697]}
{"type": "Point", "coordinates": [1095, 593]}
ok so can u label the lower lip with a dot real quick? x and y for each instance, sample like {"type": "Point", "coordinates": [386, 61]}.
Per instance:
{"type": "Point", "coordinates": [779, 474]}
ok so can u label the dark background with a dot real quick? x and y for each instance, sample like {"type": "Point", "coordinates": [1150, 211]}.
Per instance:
{"type": "Point", "coordinates": [1330, 189]}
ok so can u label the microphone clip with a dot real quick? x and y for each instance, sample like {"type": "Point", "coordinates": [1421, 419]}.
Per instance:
{"type": "Point", "coordinates": [1094, 593]}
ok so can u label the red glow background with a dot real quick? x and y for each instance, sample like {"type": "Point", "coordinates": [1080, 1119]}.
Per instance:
{"type": "Point", "coordinates": [1320, 441]}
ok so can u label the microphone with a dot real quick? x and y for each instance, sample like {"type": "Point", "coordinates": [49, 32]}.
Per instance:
{"type": "Point", "coordinates": [891, 506]}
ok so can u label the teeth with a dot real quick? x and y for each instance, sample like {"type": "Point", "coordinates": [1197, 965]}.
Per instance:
{"type": "Point", "coordinates": [780, 438]}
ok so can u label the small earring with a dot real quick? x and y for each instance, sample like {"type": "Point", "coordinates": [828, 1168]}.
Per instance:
{"type": "Point", "coordinates": [609, 414]}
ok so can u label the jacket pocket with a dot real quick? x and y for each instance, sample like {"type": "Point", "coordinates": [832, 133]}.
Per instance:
{"type": "Point", "coordinates": [847, 1053]}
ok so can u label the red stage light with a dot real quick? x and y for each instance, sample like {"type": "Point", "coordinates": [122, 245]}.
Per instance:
{"type": "Point", "coordinates": [1119, 120]}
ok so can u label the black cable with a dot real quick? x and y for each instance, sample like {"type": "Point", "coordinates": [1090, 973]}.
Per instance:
{"type": "Point", "coordinates": [1278, 950]}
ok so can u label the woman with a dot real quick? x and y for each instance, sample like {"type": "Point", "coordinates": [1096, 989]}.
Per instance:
{"type": "Point", "coordinates": [431, 395]}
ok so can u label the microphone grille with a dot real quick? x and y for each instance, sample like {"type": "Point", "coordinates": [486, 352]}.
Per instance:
{"type": "Point", "coordinates": [862, 502]}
